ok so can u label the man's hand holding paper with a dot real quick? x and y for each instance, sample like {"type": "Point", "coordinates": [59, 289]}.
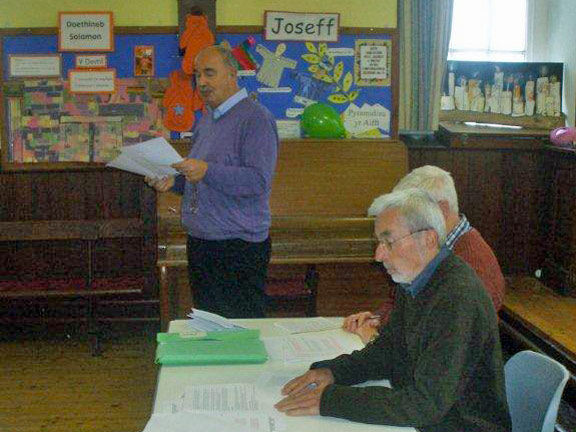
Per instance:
{"type": "Point", "coordinates": [193, 169]}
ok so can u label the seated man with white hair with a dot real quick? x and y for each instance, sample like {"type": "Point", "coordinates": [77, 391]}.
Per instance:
{"type": "Point", "coordinates": [464, 240]}
{"type": "Point", "coordinates": [440, 350]}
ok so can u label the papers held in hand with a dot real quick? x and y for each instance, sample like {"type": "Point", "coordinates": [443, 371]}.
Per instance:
{"type": "Point", "coordinates": [151, 158]}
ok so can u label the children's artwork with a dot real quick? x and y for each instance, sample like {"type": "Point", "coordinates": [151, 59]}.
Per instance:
{"type": "Point", "coordinates": [291, 76]}
{"type": "Point", "coordinates": [143, 61]}
{"type": "Point", "coordinates": [96, 106]}
{"type": "Point", "coordinates": [273, 64]}
{"type": "Point", "coordinates": [50, 124]}
{"type": "Point", "coordinates": [511, 89]}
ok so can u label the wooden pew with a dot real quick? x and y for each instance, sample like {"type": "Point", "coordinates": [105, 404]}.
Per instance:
{"type": "Point", "coordinates": [84, 284]}
{"type": "Point", "coordinates": [320, 195]}
{"type": "Point", "coordinates": [537, 315]}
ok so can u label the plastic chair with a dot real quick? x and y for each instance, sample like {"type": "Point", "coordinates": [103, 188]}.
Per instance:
{"type": "Point", "coordinates": [534, 386]}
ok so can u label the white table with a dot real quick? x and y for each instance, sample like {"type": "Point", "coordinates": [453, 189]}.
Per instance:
{"type": "Point", "coordinates": [172, 380]}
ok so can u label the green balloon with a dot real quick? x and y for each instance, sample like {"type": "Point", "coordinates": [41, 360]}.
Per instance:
{"type": "Point", "coordinates": [322, 121]}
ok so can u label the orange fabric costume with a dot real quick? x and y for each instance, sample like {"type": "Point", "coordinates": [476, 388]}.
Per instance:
{"type": "Point", "coordinates": [196, 37]}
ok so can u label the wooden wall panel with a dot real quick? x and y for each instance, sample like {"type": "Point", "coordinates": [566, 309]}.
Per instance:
{"type": "Point", "coordinates": [67, 195]}
{"type": "Point", "coordinates": [500, 192]}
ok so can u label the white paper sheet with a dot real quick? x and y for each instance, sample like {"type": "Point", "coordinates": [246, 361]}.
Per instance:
{"type": "Point", "coordinates": [307, 348]}
{"type": "Point", "coordinates": [308, 325]}
{"type": "Point", "coordinates": [150, 158]}
{"type": "Point", "coordinates": [206, 321]}
{"type": "Point", "coordinates": [188, 422]}
{"type": "Point", "coordinates": [224, 398]}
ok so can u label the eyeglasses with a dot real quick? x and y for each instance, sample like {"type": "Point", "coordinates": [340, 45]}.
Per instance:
{"type": "Point", "coordinates": [389, 244]}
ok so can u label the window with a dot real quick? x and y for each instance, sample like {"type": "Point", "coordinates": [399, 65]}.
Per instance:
{"type": "Point", "coordinates": [484, 30]}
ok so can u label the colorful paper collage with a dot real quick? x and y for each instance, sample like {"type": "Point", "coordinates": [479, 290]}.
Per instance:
{"type": "Point", "coordinates": [48, 124]}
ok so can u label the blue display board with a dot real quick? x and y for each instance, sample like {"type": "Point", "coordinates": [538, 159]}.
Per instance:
{"type": "Point", "coordinates": [315, 72]}
{"type": "Point", "coordinates": [46, 123]}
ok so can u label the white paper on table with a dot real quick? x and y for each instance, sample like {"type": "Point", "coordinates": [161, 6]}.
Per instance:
{"type": "Point", "coordinates": [313, 347]}
{"type": "Point", "coordinates": [206, 321]}
{"type": "Point", "coordinates": [183, 422]}
{"type": "Point", "coordinates": [274, 347]}
{"type": "Point", "coordinates": [308, 325]}
{"type": "Point", "coordinates": [226, 398]}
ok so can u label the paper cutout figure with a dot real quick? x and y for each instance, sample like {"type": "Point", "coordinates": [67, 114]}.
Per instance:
{"type": "Point", "coordinates": [553, 106]}
{"type": "Point", "coordinates": [530, 96]}
{"type": "Point", "coordinates": [274, 64]}
{"type": "Point", "coordinates": [518, 108]}
{"type": "Point", "coordinates": [243, 56]}
{"type": "Point", "coordinates": [308, 89]}
{"type": "Point", "coordinates": [180, 102]}
{"type": "Point", "coordinates": [196, 37]}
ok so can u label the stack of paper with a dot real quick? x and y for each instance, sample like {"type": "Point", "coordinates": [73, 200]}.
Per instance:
{"type": "Point", "coordinates": [151, 158]}
{"type": "Point", "coordinates": [209, 322]}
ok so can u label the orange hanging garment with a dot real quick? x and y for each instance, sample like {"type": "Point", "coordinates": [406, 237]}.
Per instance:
{"type": "Point", "coordinates": [180, 101]}
{"type": "Point", "coordinates": [196, 37]}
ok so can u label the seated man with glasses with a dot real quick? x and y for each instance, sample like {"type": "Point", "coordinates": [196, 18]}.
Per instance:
{"type": "Point", "coordinates": [465, 241]}
{"type": "Point", "coordinates": [440, 350]}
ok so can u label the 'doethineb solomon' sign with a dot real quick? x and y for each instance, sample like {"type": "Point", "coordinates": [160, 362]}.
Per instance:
{"type": "Point", "coordinates": [86, 31]}
{"type": "Point", "coordinates": [295, 26]}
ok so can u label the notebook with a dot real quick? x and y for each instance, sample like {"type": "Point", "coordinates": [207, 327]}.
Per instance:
{"type": "Point", "coordinates": [206, 352]}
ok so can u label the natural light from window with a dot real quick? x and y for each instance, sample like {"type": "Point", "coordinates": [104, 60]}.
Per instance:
{"type": "Point", "coordinates": [489, 30]}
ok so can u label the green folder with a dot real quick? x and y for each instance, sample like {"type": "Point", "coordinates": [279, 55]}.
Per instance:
{"type": "Point", "coordinates": [206, 352]}
{"type": "Point", "coordinates": [213, 335]}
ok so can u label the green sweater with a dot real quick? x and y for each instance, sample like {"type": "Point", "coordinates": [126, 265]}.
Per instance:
{"type": "Point", "coordinates": [440, 351]}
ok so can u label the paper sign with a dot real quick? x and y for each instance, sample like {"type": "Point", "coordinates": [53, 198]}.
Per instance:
{"type": "Point", "coordinates": [47, 65]}
{"type": "Point", "coordinates": [288, 128]}
{"type": "Point", "coordinates": [91, 61]}
{"type": "Point", "coordinates": [92, 81]}
{"type": "Point", "coordinates": [310, 27]}
{"type": "Point", "coordinates": [358, 120]}
{"type": "Point", "coordinates": [85, 31]}
{"type": "Point", "coordinates": [373, 62]}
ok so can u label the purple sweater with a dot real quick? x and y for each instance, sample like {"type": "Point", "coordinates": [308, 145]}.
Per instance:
{"type": "Point", "coordinates": [233, 198]}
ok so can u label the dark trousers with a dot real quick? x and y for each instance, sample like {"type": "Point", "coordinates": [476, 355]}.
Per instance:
{"type": "Point", "coordinates": [228, 277]}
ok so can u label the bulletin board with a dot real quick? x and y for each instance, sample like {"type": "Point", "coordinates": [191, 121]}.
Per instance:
{"type": "Point", "coordinates": [328, 73]}
{"type": "Point", "coordinates": [45, 126]}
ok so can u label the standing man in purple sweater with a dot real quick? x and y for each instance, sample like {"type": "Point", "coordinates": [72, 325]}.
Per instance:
{"type": "Point", "coordinates": [226, 182]}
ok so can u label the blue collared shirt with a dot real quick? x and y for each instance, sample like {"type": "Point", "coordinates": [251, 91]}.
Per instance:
{"type": "Point", "coordinates": [422, 279]}
{"type": "Point", "coordinates": [225, 106]}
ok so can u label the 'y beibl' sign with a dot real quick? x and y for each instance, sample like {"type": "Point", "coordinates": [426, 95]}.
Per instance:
{"type": "Point", "coordinates": [85, 31]}
{"type": "Point", "coordinates": [295, 26]}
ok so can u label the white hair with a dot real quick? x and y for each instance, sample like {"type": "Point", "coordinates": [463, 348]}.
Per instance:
{"type": "Point", "coordinates": [419, 210]}
{"type": "Point", "coordinates": [437, 182]}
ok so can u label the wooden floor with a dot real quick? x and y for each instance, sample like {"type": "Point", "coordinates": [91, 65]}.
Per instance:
{"type": "Point", "coordinates": [49, 381]}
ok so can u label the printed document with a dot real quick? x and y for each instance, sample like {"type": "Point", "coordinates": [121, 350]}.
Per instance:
{"type": "Point", "coordinates": [308, 325]}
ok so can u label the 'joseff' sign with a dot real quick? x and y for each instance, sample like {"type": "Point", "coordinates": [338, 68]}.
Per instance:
{"type": "Point", "coordinates": [85, 31]}
{"type": "Point", "coordinates": [295, 26]}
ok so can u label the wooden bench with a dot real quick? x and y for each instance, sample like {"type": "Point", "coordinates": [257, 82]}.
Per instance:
{"type": "Point", "coordinates": [320, 195]}
{"type": "Point", "coordinates": [16, 284]}
{"type": "Point", "coordinates": [540, 318]}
